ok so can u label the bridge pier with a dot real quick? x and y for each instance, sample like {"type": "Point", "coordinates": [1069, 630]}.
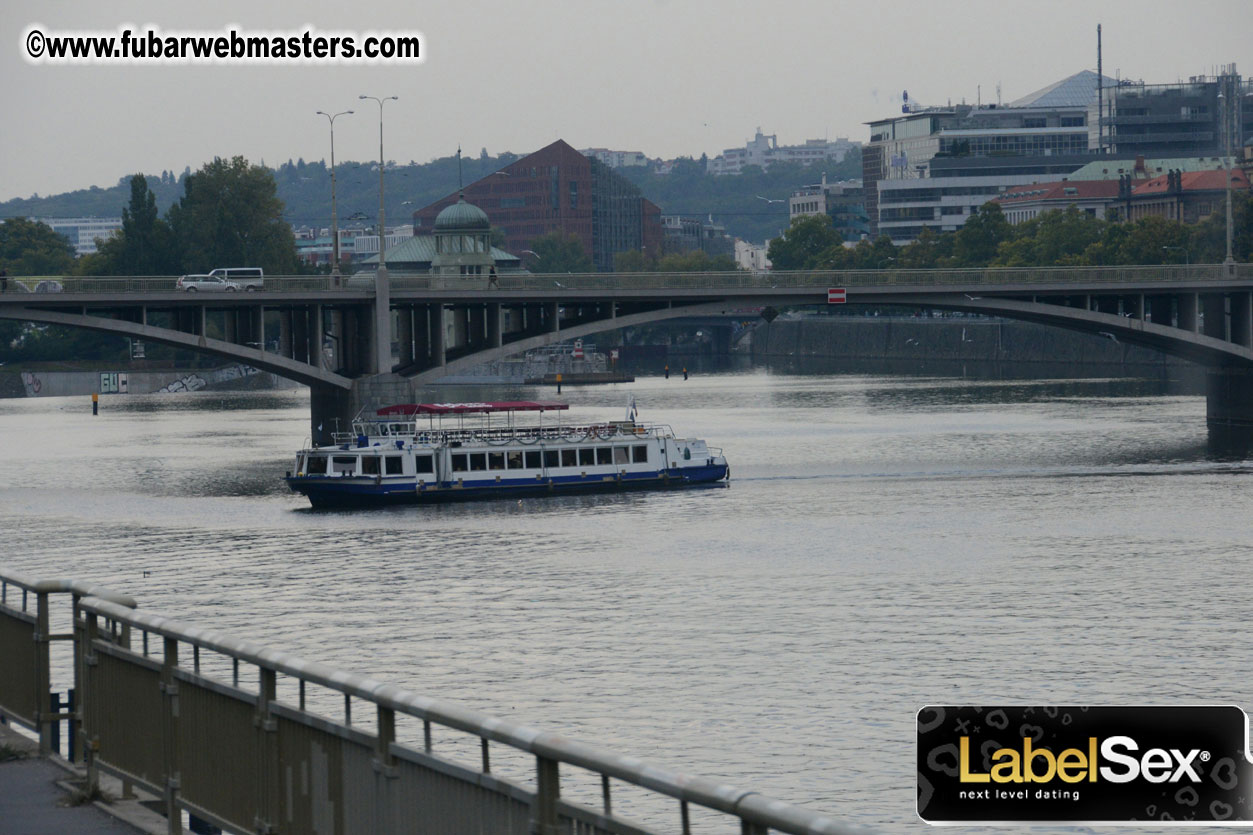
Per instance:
{"type": "Point", "coordinates": [1229, 398]}
{"type": "Point", "coordinates": [1242, 319]}
{"type": "Point", "coordinates": [1187, 312]}
{"type": "Point", "coordinates": [330, 410]}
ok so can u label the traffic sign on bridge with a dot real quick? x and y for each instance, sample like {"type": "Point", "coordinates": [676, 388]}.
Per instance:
{"type": "Point", "coordinates": [836, 295]}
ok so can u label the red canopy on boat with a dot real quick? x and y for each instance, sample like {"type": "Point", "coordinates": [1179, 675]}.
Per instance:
{"type": "Point", "coordinates": [470, 408]}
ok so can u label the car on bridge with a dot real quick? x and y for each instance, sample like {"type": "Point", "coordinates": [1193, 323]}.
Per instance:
{"type": "Point", "coordinates": [199, 283]}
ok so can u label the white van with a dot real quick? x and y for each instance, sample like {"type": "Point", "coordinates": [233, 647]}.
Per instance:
{"type": "Point", "coordinates": [249, 278]}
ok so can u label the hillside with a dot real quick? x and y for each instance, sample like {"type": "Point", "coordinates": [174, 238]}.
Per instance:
{"type": "Point", "coordinates": [304, 188]}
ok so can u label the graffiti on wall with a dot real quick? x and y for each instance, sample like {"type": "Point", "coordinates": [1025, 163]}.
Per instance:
{"type": "Point", "coordinates": [195, 382]}
{"type": "Point", "coordinates": [114, 382]}
{"type": "Point", "coordinates": [31, 383]}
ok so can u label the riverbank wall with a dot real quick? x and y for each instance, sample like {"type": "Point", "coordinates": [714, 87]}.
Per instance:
{"type": "Point", "coordinates": [48, 383]}
{"type": "Point", "coordinates": [941, 345]}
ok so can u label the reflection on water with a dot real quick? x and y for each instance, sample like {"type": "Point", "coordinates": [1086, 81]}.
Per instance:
{"type": "Point", "coordinates": [885, 543]}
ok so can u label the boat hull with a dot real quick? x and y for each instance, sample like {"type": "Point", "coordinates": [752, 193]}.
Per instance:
{"type": "Point", "coordinates": [331, 492]}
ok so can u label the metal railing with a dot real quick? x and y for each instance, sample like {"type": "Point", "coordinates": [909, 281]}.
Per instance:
{"type": "Point", "coordinates": [248, 761]}
{"type": "Point", "coordinates": [677, 281]}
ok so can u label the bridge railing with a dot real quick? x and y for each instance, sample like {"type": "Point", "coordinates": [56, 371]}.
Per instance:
{"type": "Point", "coordinates": [672, 281]}
{"type": "Point", "coordinates": [226, 730]}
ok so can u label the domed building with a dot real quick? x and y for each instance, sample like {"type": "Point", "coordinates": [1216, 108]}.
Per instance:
{"type": "Point", "coordinates": [461, 245]}
{"type": "Point", "coordinates": [463, 241]}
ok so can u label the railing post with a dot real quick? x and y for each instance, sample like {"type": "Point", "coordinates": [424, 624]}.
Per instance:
{"type": "Point", "coordinates": [43, 675]}
{"type": "Point", "coordinates": [268, 792]}
{"type": "Point", "coordinates": [547, 791]}
{"type": "Point", "coordinates": [750, 828]}
{"type": "Point", "coordinates": [91, 631]}
{"type": "Point", "coordinates": [385, 769]}
{"type": "Point", "coordinates": [169, 692]}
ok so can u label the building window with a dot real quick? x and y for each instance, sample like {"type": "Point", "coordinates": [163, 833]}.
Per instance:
{"type": "Point", "coordinates": [574, 194]}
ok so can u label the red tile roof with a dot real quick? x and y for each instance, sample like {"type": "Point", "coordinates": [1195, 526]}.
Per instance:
{"type": "Point", "coordinates": [1215, 180]}
{"type": "Point", "coordinates": [1065, 190]}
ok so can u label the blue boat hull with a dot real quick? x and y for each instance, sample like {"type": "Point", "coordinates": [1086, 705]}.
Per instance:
{"type": "Point", "coordinates": [331, 492]}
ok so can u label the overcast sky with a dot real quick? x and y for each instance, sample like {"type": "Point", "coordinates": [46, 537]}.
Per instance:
{"type": "Point", "coordinates": [666, 77]}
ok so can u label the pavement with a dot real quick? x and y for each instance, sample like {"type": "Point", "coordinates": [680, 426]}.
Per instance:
{"type": "Point", "coordinates": [36, 797]}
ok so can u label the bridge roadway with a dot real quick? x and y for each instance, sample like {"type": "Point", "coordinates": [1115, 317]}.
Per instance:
{"type": "Point", "coordinates": [364, 341]}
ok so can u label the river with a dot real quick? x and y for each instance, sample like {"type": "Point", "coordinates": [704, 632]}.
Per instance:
{"type": "Point", "coordinates": [885, 543]}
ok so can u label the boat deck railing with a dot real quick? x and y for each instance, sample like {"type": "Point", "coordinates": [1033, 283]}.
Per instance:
{"type": "Point", "coordinates": [385, 431]}
{"type": "Point", "coordinates": [249, 738]}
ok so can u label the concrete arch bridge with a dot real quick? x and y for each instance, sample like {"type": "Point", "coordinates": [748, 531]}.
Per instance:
{"type": "Point", "coordinates": [369, 339]}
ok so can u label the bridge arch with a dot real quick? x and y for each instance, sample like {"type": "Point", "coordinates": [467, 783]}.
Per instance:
{"type": "Point", "coordinates": [256, 357]}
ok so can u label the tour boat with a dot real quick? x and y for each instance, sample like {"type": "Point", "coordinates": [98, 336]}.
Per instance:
{"type": "Point", "coordinates": [438, 452]}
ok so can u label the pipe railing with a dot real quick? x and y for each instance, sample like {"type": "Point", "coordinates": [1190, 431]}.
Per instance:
{"type": "Point", "coordinates": [550, 751]}
{"type": "Point", "coordinates": [756, 813]}
{"type": "Point", "coordinates": [33, 708]}
{"type": "Point", "coordinates": [363, 283]}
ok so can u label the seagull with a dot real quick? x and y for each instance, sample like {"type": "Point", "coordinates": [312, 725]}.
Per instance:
{"type": "Point", "coordinates": [559, 284]}
{"type": "Point", "coordinates": [768, 200]}
{"type": "Point", "coordinates": [972, 298]}
{"type": "Point", "coordinates": [1108, 336]}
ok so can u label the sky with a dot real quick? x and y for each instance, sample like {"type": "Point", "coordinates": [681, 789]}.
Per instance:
{"type": "Point", "coordinates": [665, 77]}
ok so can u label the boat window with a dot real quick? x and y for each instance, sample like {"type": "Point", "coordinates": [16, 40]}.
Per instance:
{"type": "Point", "coordinates": [459, 462]}
{"type": "Point", "coordinates": [532, 459]}
{"type": "Point", "coordinates": [687, 454]}
{"type": "Point", "coordinates": [514, 459]}
{"type": "Point", "coordinates": [495, 460]}
{"type": "Point", "coordinates": [395, 465]}
{"type": "Point", "coordinates": [604, 455]}
{"type": "Point", "coordinates": [478, 461]}
{"type": "Point", "coordinates": [552, 458]}
{"type": "Point", "coordinates": [587, 457]}
{"type": "Point", "coordinates": [621, 455]}
{"type": "Point", "coordinates": [316, 465]}
{"type": "Point", "coordinates": [426, 463]}
{"type": "Point", "coordinates": [639, 454]}
{"type": "Point", "coordinates": [369, 465]}
{"type": "Point", "coordinates": [344, 464]}
{"type": "Point", "coordinates": [569, 458]}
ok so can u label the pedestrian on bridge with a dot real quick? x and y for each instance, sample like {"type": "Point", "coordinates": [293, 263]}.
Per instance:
{"type": "Point", "coordinates": [491, 278]}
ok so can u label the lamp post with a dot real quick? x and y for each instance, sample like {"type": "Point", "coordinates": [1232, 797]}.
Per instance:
{"type": "Point", "coordinates": [382, 360]}
{"type": "Point", "coordinates": [1226, 107]}
{"type": "Point", "coordinates": [334, 217]}
{"type": "Point", "coordinates": [382, 225]}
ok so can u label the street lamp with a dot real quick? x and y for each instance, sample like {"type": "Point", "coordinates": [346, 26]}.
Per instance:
{"type": "Point", "coordinates": [334, 218]}
{"type": "Point", "coordinates": [382, 226]}
{"type": "Point", "coordinates": [1225, 107]}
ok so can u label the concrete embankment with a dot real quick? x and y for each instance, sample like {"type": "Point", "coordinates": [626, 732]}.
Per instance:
{"type": "Point", "coordinates": [47, 383]}
{"type": "Point", "coordinates": [940, 345]}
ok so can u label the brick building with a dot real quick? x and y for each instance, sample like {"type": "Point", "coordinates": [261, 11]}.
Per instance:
{"type": "Point", "coordinates": [558, 188]}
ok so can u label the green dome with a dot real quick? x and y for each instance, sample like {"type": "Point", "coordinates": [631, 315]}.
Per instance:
{"type": "Point", "coordinates": [462, 215]}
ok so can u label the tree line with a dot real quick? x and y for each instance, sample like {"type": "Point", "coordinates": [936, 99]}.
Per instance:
{"type": "Point", "coordinates": [1052, 239]}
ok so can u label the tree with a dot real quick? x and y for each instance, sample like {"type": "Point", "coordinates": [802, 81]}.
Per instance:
{"type": "Point", "coordinates": [144, 246]}
{"type": "Point", "coordinates": [976, 242]}
{"type": "Point", "coordinates": [633, 261]}
{"type": "Point", "coordinates": [560, 252]}
{"type": "Point", "coordinates": [28, 247]}
{"type": "Point", "coordinates": [805, 239]}
{"type": "Point", "coordinates": [230, 216]}
{"type": "Point", "coordinates": [1055, 238]}
{"type": "Point", "coordinates": [696, 261]}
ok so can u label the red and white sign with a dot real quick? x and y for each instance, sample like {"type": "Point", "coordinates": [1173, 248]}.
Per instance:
{"type": "Point", "coordinates": [578, 349]}
{"type": "Point", "coordinates": [836, 295]}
